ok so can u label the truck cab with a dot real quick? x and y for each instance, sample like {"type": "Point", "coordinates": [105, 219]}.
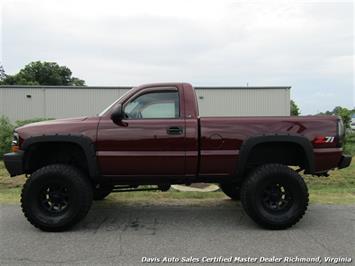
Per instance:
{"type": "Point", "coordinates": [150, 131]}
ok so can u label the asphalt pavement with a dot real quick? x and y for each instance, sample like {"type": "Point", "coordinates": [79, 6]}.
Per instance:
{"type": "Point", "coordinates": [127, 234]}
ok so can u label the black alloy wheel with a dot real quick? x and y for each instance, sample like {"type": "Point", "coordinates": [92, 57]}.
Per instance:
{"type": "Point", "coordinates": [54, 198]}
{"type": "Point", "coordinates": [277, 197]}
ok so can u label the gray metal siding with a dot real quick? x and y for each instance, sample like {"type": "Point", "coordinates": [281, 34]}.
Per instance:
{"type": "Point", "coordinates": [61, 102]}
{"type": "Point", "coordinates": [244, 102]}
{"type": "Point", "coordinates": [16, 106]}
{"type": "Point", "coordinates": [55, 102]}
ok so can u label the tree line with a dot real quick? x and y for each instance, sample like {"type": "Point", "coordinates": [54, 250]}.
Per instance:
{"type": "Point", "coordinates": [41, 73]}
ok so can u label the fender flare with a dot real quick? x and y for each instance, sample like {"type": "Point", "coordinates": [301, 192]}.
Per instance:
{"type": "Point", "coordinates": [251, 142]}
{"type": "Point", "coordinates": [82, 141]}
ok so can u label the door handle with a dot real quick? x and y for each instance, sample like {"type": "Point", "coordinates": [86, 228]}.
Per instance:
{"type": "Point", "coordinates": [174, 130]}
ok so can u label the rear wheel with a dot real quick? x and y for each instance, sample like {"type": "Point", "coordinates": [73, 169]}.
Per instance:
{"type": "Point", "coordinates": [231, 190]}
{"type": "Point", "coordinates": [56, 197]}
{"type": "Point", "coordinates": [275, 196]}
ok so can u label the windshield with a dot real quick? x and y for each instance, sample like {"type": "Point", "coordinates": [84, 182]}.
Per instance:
{"type": "Point", "coordinates": [112, 104]}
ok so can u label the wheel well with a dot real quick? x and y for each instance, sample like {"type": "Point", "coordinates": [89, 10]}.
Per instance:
{"type": "Point", "coordinates": [41, 154]}
{"type": "Point", "coordinates": [286, 153]}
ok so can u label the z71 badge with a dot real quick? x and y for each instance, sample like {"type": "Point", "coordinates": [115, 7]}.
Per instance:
{"type": "Point", "coordinates": [326, 139]}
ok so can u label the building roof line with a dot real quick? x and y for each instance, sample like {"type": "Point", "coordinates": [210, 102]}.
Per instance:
{"type": "Point", "coordinates": [62, 87]}
{"type": "Point", "coordinates": [129, 87]}
{"type": "Point", "coordinates": [242, 88]}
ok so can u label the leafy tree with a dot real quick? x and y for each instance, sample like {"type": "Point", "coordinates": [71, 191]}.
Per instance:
{"type": "Point", "coordinates": [2, 73]}
{"type": "Point", "coordinates": [77, 82]}
{"type": "Point", "coordinates": [343, 112]}
{"type": "Point", "coordinates": [345, 115]}
{"type": "Point", "coordinates": [6, 131]}
{"type": "Point", "coordinates": [43, 73]}
{"type": "Point", "coordinates": [352, 112]}
{"type": "Point", "coordinates": [5, 135]}
{"type": "Point", "coordinates": [295, 111]}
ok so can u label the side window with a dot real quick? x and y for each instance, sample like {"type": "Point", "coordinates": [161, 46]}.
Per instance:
{"type": "Point", "coordinates": [163, 104]}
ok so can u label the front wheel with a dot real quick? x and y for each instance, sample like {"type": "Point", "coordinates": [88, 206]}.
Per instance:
{"type": "Point", "coordinates": [56, 197]}
{"type": "Point", "coordinates": [274, 196]}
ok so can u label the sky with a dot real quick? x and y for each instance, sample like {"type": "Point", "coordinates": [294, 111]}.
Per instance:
{"type": "Point", "coordinates": [308, 45]}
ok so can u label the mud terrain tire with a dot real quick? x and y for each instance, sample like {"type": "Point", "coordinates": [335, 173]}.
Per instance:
{"type": "Point", "coordinates": [56, 197]}
{"type": "Point", "coordinates": [274, 196]}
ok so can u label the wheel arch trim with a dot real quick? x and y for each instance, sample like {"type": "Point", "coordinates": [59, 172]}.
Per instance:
{"type": "Point", "coordinates": [84, 142]}
{"type": "Point", "coordinates": [251, 142]}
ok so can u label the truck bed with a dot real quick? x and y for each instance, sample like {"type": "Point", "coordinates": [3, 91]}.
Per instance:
{"type": "Point", "coordinates": [222, 138]}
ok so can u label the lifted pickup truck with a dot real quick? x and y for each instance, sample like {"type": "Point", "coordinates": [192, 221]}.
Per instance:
{"type": "Point", "coordinates": [153, 135]}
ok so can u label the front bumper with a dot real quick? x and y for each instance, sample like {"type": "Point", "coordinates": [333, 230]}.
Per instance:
{"type": "Point", "coordinates": [14, 162]}
{"type": "Point", "coordinates": [344, 161]}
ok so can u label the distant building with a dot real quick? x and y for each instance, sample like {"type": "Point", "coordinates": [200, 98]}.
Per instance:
{"type": "Point", "coordinates": [352, 123]}
{"type": "Point", "coordinates": [25, 102]}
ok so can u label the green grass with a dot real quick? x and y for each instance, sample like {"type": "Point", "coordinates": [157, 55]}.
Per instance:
{"type": "Point", "coordinates": [10, 190]}
{"type": "Point", "coordinates": [349, 145]}
{"type": "Point", "coordinates": [338, 188]}
{"type": "Point", "coordinates": [9, 195]}
{"type": "Point", "coordinates": [12, 195]}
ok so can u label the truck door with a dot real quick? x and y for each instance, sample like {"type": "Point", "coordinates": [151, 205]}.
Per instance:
{"type": "Point", "coordinates": [151, 138]}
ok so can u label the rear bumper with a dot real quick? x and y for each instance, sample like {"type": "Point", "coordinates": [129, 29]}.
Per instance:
{"type": "Point", "coordinates": [14, 163]}
{"type": "Point", "coordinates": [344, 161]}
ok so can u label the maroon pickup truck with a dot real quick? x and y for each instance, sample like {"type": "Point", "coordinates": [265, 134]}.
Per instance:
{"type": "Point", "coordinates": [153, 135]}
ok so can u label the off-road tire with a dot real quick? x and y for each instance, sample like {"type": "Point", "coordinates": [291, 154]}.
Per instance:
{"type": "Point", "coordinates": [231, 190]}
{"type": "Point", "coordinates": [255, 191]}
{"type": "Point", "coordinates": [102, 192]}
{"type": "Point", "coordinates": [76, 187]}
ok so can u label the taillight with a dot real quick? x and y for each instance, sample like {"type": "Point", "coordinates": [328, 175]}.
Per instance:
{"type": "Point", "coordinates": [340, 132]}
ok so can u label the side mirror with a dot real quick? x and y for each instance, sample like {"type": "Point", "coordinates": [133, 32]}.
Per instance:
{"type": "Point", "coordinates": [118, 114]}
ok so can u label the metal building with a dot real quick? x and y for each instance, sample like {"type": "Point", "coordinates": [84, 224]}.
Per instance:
{"type": "Point", "coordinates": [26, 102]}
